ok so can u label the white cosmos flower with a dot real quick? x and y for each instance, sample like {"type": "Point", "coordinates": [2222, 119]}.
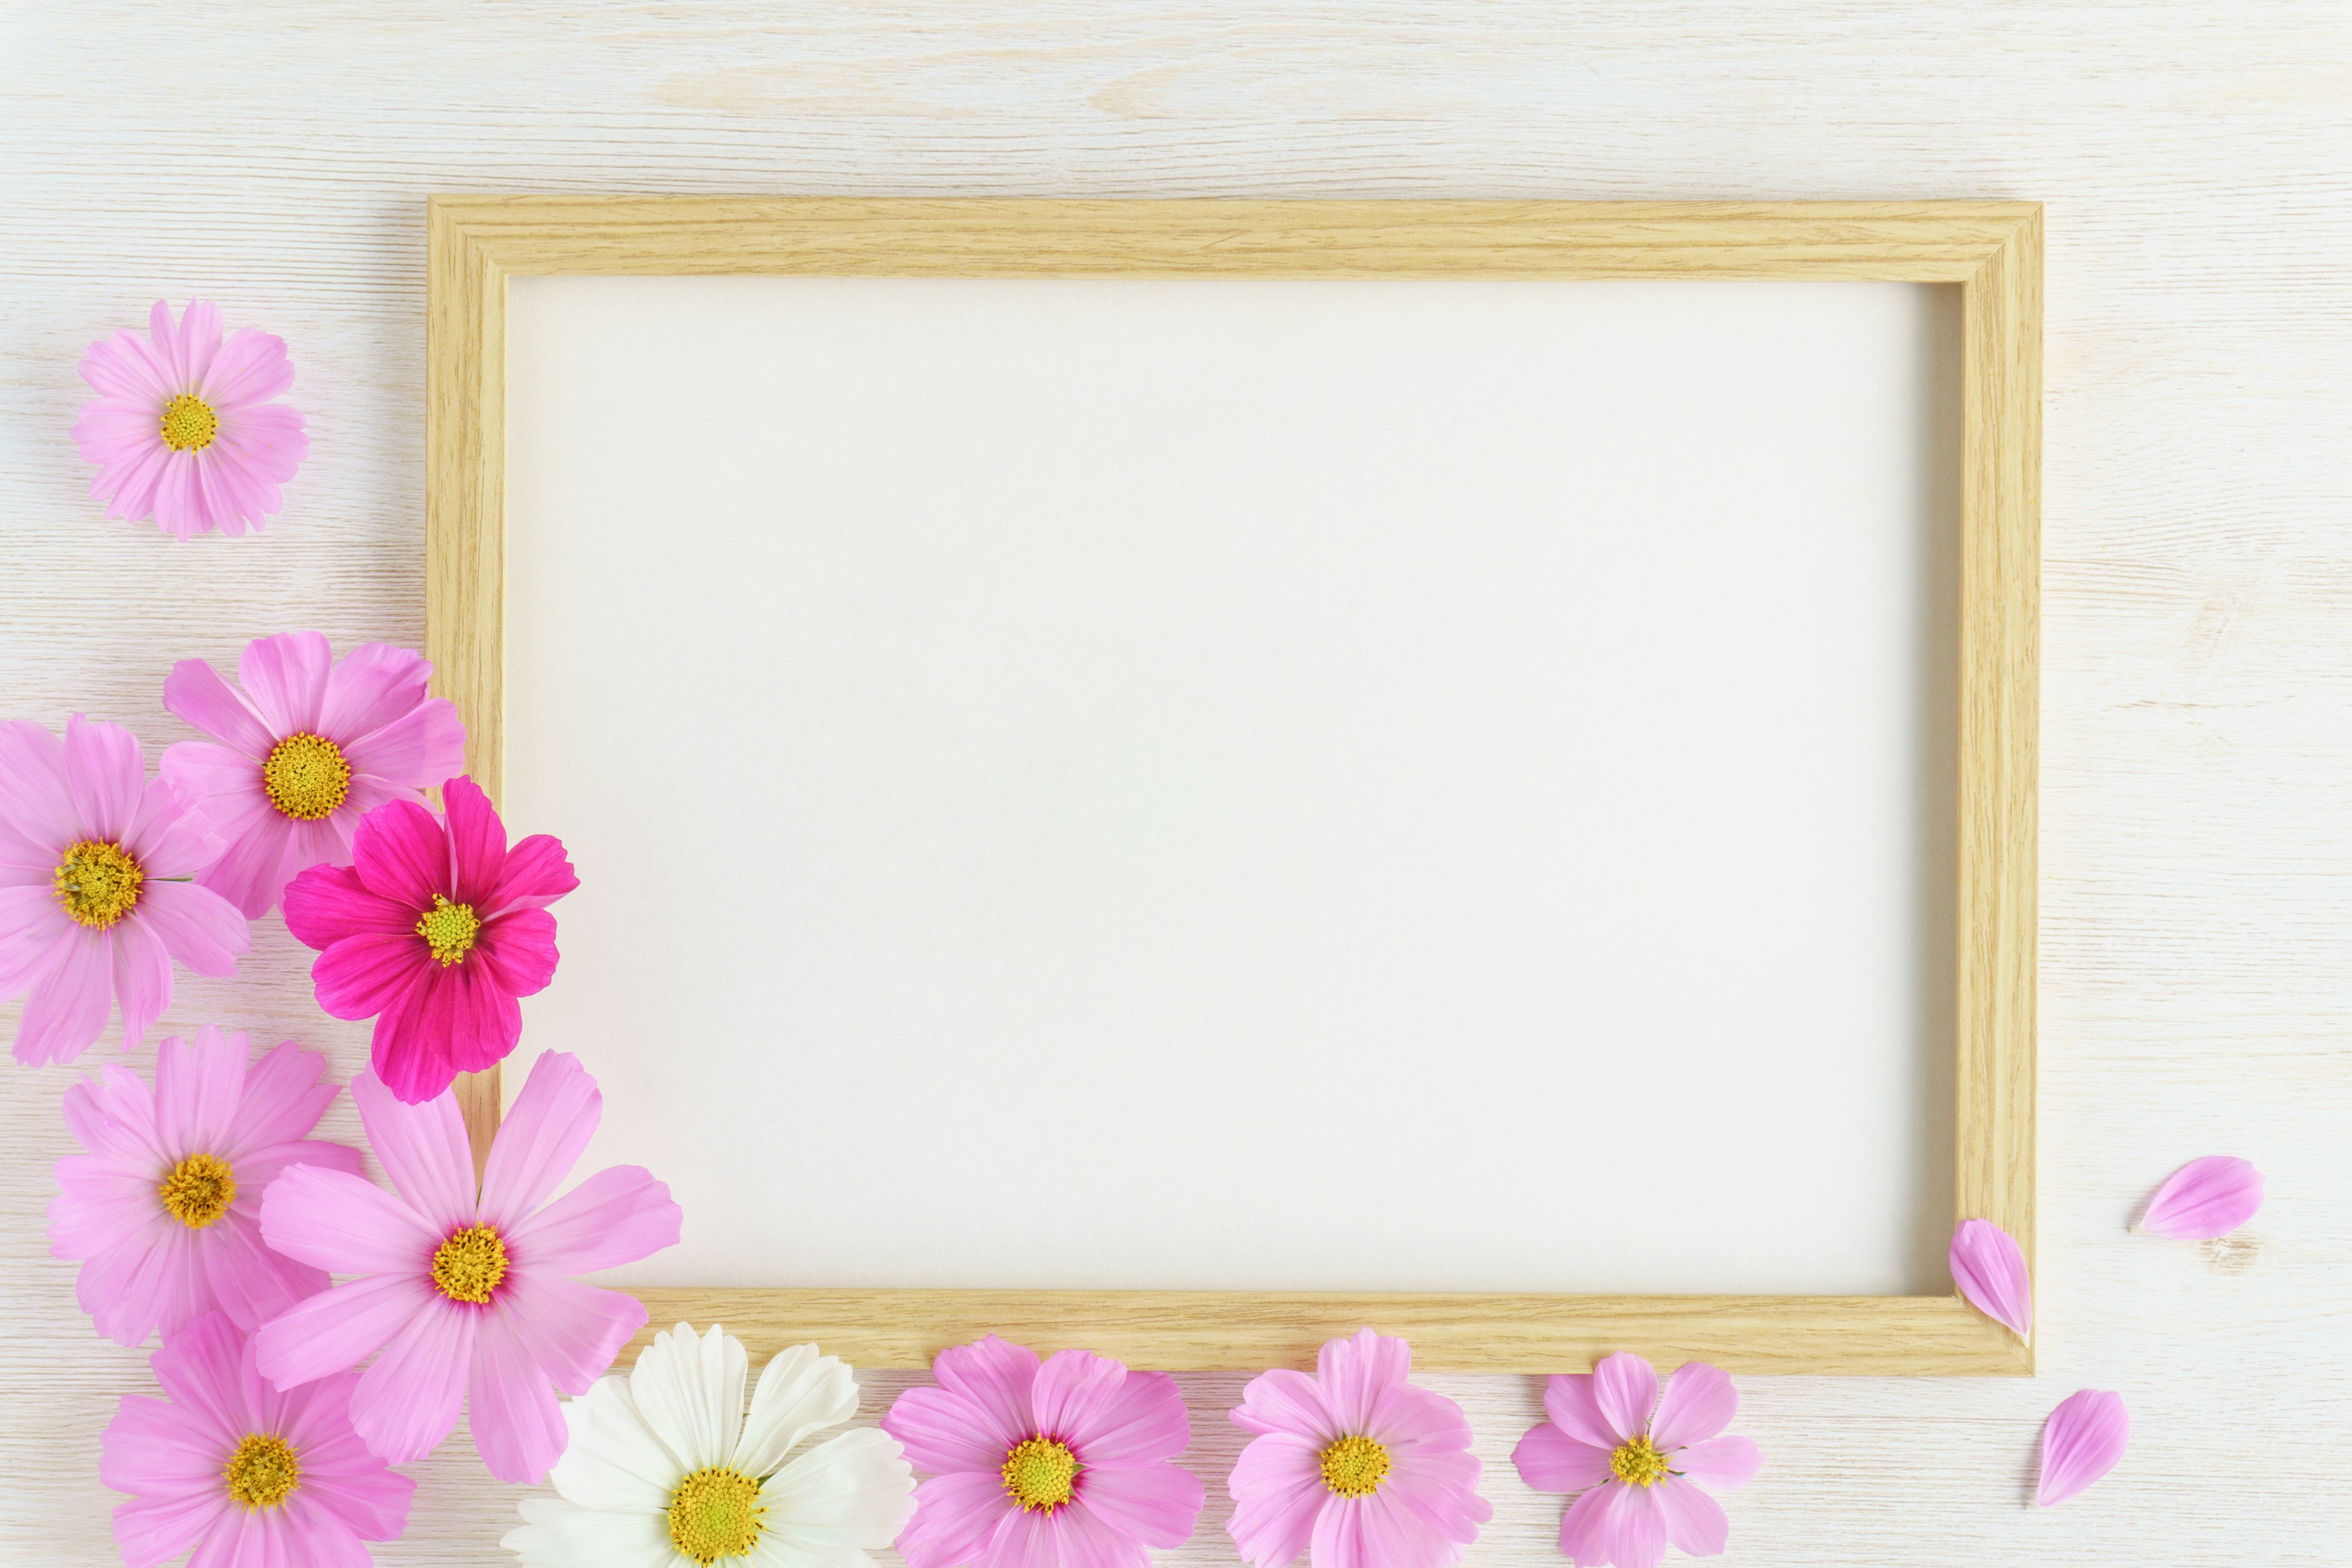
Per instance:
{"type": "Point", "coordinates": [664, 1469]}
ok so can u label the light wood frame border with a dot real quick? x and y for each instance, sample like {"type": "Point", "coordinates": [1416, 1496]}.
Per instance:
{"type": "Point", "coordinates": [1992, 249]}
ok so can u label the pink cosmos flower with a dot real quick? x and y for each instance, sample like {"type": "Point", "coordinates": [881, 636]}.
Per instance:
{"type": "Point", "coordinates": [466, 1290]}
{"type": "Point", "coordinates": [183, 427]}
{"type": "Point", "coordinates": [1069, 1463]}
{"type": "Point", "coordinates": [310, 746]}
{"type": "Point", "coordinates": [1640, 1469]}
{"type": "Point", "coordinates": [164, 1209]}
{"type": "Point", "coordinates": [249, 1477]}
{"type": "Point", "coordinates": [434, 930]}
{"type": "Point", "coordinates": [96, 889]}
{"type": "Point", "coordinates": [1354, 1466]}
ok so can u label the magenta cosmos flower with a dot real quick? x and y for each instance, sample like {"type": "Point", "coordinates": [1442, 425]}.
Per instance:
{"type": "Point", "coordinates": [183, 427]}
{"type": "Point", "coordinates": [97, 894]}
{"type": "Point", "coordinates": [164, 1209]}
{"type": "Point", "coordinates": [308, 748]}
{"type": "Point", "coordinates": [466, 1291]}
{"type": "Point", "coordinates": [434, 930]}
{"type": "Point", "coordinates": [1640, 1470]}
{"type": "Point", "coordinates": [249, 1477]}
{"type": "Point", "coordinates": [1355, 1467]}
{"type": "Point", "coordinates": [1068, 1463]}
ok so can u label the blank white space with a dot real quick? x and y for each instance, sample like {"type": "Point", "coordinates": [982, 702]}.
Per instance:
{"type": "Point", "coordinates": [1218, 784]}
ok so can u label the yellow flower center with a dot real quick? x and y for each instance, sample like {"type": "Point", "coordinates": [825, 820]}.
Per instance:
{"type": "Point", "coordinates": [189, 423]}
{"type": "Point", "coordinates": [1637, 1464]}
{"type": "Point", "coordinates": [98, 882]}
{"type": "Point", "coordinates": [1355, 1467]}
{"type": "Point", "coordinates": [1038, 1472]}
{"type": "Point", "coordinates": [199, 1190]}
{"type": "Point", "coordinates": [470, 1265]}
{"type": "Point", "coordinates": [306, 776]}
{"type": "Point", "coordinates": [262, 1471]}
{"type": "Point", "coordinates": [448, 929]}
{"type": "Point", "coordinates": [715, 1513]}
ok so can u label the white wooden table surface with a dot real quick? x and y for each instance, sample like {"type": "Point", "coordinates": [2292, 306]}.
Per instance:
{"type": "Point", "coordinates": [2196, 898]}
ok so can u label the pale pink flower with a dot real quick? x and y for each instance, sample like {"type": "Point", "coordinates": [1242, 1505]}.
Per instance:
{"type": "Point", "coordinates": [97, 894]}
{"type": "Point", "coordinates": [1988, 1267]}
{"type": "Point", "coordinates": [1353, 1467]}
{"type": "Point", "coordinates": [164, 1207]}
{"type": "Point", "coordinates": [434, 930]}
{"type": "Point", "coordinates": [309, 746]}
{"type": "Point", "coordinates": [2081, 1442]}
{"type": "Point", "coordinates": [1072, 1462]}
{"type": "Point", "coordinates": [2203, 1199]}
{"type": "Point", "coordinates": [183, 427]}
{"type": "Point", "coordinates": [466, 1290]}
{"type": "Point", "coordinates": [247, 1476]}
{"type": "Point", "coordinates": [1642, 1461]}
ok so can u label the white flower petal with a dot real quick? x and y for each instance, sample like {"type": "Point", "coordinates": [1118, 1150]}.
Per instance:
{"type": "Point", "coordinates": [854, 1490]}
{"type": "Point", "coordinates": [613, 1463]}
{"type": "Point", "coordinates": [558, 1534]}
{"type": "Point", "coordinates": [800, 1393]}
{"type": "Point", "coordinates": [690, 1392]}
{"type": "Point", "coordinates": [775, 1552]}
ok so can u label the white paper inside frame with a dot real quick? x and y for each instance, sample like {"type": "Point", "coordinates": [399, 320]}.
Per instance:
{"type": "Point", "coordinates": [1220, 784]}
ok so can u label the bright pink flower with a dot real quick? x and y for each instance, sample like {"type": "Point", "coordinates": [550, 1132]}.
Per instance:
{"type": "Point", "coordinates": [434, 930]}
{"type": "Point", "coordinates": [249, 1477]}
{"type": "Point", "coordinates": [164, 1209]}
{"type": "Point", "coordinates": [97, 888]}
{"type": "Point", "coordinates": [1988, 1267]}
{"type": "Point", "coordinates": [466, 1291]}
{"type": "Point", "coordinates": [183, 426]}
{"type": "Point", "coordinates": [1640, 1459]}
{"type": "Point", "coordinates": [1354, 1466]}
{"type": "Point", "coordinates": [2203, 1199]}
{"type": "Point", "coordinates": [312, 746]}
{"type": "Point", "coordinates": [2080, 1443]}
{"type": "Point", "coordinates": [1071, 1463]}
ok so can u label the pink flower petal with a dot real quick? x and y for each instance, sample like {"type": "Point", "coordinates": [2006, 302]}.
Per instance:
{"type": "Point", "coordinates": [422, 748]}
{"type": "Point", "coordinates": [541, 1138]}
{"type": "Point", "coordinates": [284, 1097]}
{"type": "Point", "coordinates": [1284, 1400]}
{"type": "Point", "coordinates": [1584, 1537]}
{"type": "Point", "coordinates": [407, 1052]}
{"type": "Point", "coordinates": [1549, 1460]}
{"type": "Point", "coordinates": [247, 1279]}
{"type": "Point", "coordinates": [143, 979]}
{"type": "Point", "coordinates": [152, 1445]}
{"type": "Point", "coordinates": [1157, 1504]}
{"type": "Point", "coordinates": [344, 1222]}
{"type": "Point", "coordinates": [1694, 1521]}
{"type": "Point", "coordinates": [363, 976]}
{"type": "Point", "coordinates": [370, 687]}
{"type": "Point", "coordinates": [201, 930]}
{"type": "Point", "coordinates": [33, 929]}
{"type": "Point", "coordinates": [618, 1216]}
{"type": "Point", "coordinates": [1990, 1269]}
{"type": "Point", "coordinates": [1353, 1372]}
{"type": "Point", "coordinates": [149, 1530]}
{"type": "Point", "coordinates": [199, 1367]}
{"type": "Point", "coordinates": [518, 1427]}
{"type": "Point", "coordinates": [1413, 1421]}
{"type": "Point", "coordinates": [251, 872]}
{"type": "Point", "coordinates": [573, 1331]}
{"type": "Point", "coordinates": [1339, 1533]}
{"type": "Point", "coordinates": [2080, 1443]}
{"type": "Point", "coordinates": [518, 952]}
{"type": "Point", "coordinates": [1625, 1390]}
{"type": "Point", "coordinates": [106, 775]}
{"type": "Point", "coordinates": [1719, 1464]}
{"type": "Point", "coordinates": [337, 1329]}
{"type": "Point", "coordinates": [956, 1513]}
{"type": "Point", "coordinates": [196, 692]}
{"type": "Point", "coordinates": [1698, 1402]}
{"type": "Point", "coordinates": [1109, 1414]}
{"type": "Point", "coordinates": [994, 1376]}
{"type": "Point", "coordinates": [1278, 1493]}
{"type": "Point", "coordinates": [536, 875]}
{"type": "Point", "coordinates": [66, 1011]}
{"type": "Point", "coordinates": [34, 799]}
{"type": "Point", "coordinates": [1635, 1532]}
{"type": "Point", "coordinates": [2204, 1199]}
{"type": "Point", "coordinates": [401, 854]}
{"type": "Point", "coordinates": [423, 1149]}
{"type": "Point", "coordinates": [478, 841]}
{"type": "Point", "coordinates": [943, 1432]}
{"type": "Point", "coordinates": [409, 1399]}
{"type": "Point", "coordinates": [250, 368]}
{"type": "Point", "coordinates": [326, 903]}
{"type": "Point", "coordinates": [285, 679]}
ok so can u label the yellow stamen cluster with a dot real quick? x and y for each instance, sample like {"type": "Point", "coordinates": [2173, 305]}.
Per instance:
{"type": "Point", "coordinates": [470, 1265]}
{"type": "Point", "coordinates": [1040, 1473]}
{"type": "Point", "coordinates": [198, 1191]}
{"type": "Point", "coordinates": [715, 1513]}
{"type": "Point", "coordinates": [1637, 1464]}
{"type": "Point", "coordinates": [448, 929]}
{"type": "Point", "coordinates": [1355, 1467]}
{"type": "Point", "coordinates": [262, 1472]}
{"type": "Point", "coordinates": [189, 424]}
{"type": "Point", "coordinates": [98, 882]}
{"type": "Point", "coordinates": [306, 776]}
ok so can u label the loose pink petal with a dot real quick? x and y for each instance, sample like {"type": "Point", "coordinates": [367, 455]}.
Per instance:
{"type": "Point", "coordinates": [1698, 1402]}
{"type": "Point", "coordinates": [1549, 1460]}
{"type": "Point", "coordinates": [1625, 1389]}
{"type": "Point", "coordinates": [1719, 1464]}
{"type": "Point", "coordinates": [285, 678]}
{"type": "Point", "coordinates": [956, 1512]}
{"type": "Point", "coordinates": [196, 692]}
{"type": "Point", "coordinates": [2204, 1199]}
{"type": "Point", "coordinates": [618, 1216]}
{"type": "Point", "coordinates": [2080, 1443]}
{"type": "Point", "coordinates": [1157, 1504]}
{"type": "Point", "coordinates": [1990, 1269]}
{"type": "Point", "coordinates": [1694, 1521]}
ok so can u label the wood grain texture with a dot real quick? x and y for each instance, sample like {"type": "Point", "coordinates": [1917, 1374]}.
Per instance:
{"type": "Point", "coordinates": [1993, 248]}
{"type": "Point", "coordinates": [2195, 878]}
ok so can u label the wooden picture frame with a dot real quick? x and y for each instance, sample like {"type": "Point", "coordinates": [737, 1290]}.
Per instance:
{"type": "Point", "coordinates": [1992, 250]}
